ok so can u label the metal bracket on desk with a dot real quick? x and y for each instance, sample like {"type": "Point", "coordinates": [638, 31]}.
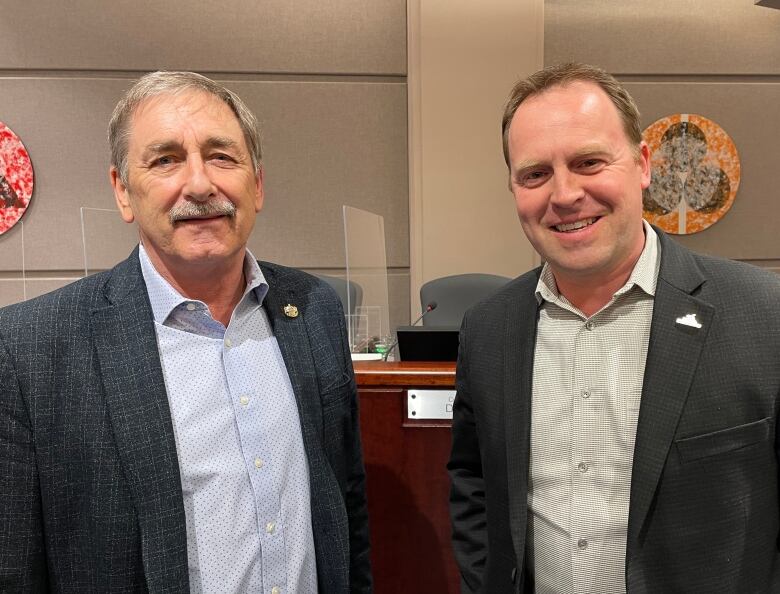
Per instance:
{"type": "Point", "coordinates": [429, 404]}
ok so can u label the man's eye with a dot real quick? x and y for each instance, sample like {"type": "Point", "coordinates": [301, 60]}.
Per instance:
{"type": "Point", "coordinates": [221, 157]}
{"type": "Point", "coordinates": [532, 179]}
{"type": "Point", "coordinates": [590, 163]}
{"type": "Point", "coordinates": [163, 161]}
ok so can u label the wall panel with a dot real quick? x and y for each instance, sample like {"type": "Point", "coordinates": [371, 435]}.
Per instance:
{"type": "Point", "coordinates": [664, 36]}
{"type": "Point", "coordinates": [281, 36]}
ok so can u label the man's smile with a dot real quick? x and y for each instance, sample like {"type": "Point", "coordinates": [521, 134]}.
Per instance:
{"type": "Point", "coordinates": [575, 225]}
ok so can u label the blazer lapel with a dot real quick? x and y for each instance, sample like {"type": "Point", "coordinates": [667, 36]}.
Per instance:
{"type": "Point", "coordinates": [519, 343]}
{"type": "Point", "coordinates": [292, 336]}
{"type": "Point", "coordinates": [672, 357]}
{"type": "Point", "coordinates": [126, 348]}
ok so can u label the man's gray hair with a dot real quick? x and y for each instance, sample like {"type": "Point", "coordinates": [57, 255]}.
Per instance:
{"type": "Point", "coordinates": [162, 83]}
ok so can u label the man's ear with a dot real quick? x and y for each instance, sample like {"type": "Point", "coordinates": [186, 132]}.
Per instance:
{"type": "Point", "coordinates": [259, 193]}
{"type": "Point", "coordinates": [644, 164]}
{"type": "Point", "coordinates": [121, 195]}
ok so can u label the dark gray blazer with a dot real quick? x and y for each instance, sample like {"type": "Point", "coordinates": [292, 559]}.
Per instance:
{"type": "Point", "coordinates": [90, 499]}
{"type": "Point", "coordinates": [703, 514]}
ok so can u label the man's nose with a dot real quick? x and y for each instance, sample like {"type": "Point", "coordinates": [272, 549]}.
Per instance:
{"type": "Point", "coordinates": [197, 184]}
{"type": "Point", "coordinates": [566, 189]}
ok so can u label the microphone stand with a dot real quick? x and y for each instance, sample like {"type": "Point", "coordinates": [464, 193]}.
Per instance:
{"type": "Point", "coordinates": [428, 309]}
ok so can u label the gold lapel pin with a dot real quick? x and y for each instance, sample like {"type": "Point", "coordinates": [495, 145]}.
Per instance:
{"type": "Point", "coordinates": [290, 311]}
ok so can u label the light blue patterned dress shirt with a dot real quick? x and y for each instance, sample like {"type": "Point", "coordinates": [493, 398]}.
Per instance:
{"type": "Point", "coordinates": [244, 474]}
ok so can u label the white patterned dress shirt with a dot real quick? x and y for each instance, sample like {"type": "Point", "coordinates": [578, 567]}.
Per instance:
{"type": "Point", "coordinates": [244, 474]}
{"type": "Point", "coordinates": [587, 386]}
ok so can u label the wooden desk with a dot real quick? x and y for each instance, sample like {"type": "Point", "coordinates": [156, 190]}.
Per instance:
{"type": "Point", "coordinates": [407, 482]}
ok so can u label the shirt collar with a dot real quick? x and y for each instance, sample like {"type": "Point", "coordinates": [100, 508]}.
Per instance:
{"type": "Point", "coordinates": [164, 298]}
{"type": "Point", "coordinates": [644, 275]}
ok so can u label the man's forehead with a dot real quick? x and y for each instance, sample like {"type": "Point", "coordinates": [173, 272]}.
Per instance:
{"type": "Point", "coordinates": [187, 99]}
{"type": "Point", "coordinates": [164, 118]}
{"type": "Point", "coordinates": [578, 95]}
{"type": "Point", "coordinates": [580, 111]}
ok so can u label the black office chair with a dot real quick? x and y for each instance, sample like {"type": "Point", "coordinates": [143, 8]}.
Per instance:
{"type": "Point", "coordinates": [340, 286]}
{"type": "Point", "coordinates": [455, 294]}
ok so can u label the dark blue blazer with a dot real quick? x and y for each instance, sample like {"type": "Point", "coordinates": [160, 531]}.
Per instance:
{"type": "Point", "coordinates": [90, 498]}
{"type": "Point", "coordinates": [704, 514]}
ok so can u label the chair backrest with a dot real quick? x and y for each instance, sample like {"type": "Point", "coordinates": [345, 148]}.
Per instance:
{"type": "Point", "coordinates": [455, 294]}
{"type": "Point", "coordinates": [340, 286]}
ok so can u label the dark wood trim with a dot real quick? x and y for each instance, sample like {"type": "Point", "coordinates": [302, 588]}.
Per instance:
{"type": "Point", "coordinates": [409, 374]}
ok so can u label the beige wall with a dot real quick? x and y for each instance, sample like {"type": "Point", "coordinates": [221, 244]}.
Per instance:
{"type": "Point", "coordinates": [463, 59]}
{"type": "Point", "coordinates": [716, 58]}
{"type": "Point", "coordinates": [327, 80]}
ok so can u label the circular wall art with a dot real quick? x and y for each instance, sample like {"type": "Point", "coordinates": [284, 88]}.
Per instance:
{"type": "Point", "coordinates": [695, 173]}
{"type": "Point", "coordinates": [16, 179]}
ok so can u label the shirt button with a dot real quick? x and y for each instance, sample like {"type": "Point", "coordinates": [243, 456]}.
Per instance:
{"type": "Point", "coordinates": [228, 343]}
{"type": "Point", "coordinates": [270, 527]}
{"type": "Point", "coordinates": [244, 400]}
{"type": "Point", "coordinates": [585, 393]}
{"type": "Point", "coordinates": [582, 467]}
{"type": "Point", "coordinates": [276, 590]}
{"type": "Point", "coordinates": [582, 543]}
{"type": "Point", "coordinates": [190, 307]}
{"type": "Point", "coordinates": [258, 463]}
{"type": "Point", "coordinates": [589, 325]}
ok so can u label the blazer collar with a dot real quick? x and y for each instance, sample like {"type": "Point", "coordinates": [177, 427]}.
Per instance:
{"type": "Point", "coordinates": [673, 353]}
{"type": "Point", "coordinates": [126, 348]}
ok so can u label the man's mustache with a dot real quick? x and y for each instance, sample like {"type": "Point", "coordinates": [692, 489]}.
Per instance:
{"type": "Point", "coordinates": [199, 210]}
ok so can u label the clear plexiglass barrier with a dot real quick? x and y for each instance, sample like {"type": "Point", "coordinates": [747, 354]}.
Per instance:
{"type": "Point", "coordinates": [366, 264]}
{"type": "Point", "coordinates": [13, 283]}
{"type": "Point", "coordinates": [106, 240]}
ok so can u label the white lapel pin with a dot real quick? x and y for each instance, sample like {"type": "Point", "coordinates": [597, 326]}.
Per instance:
{"type": "Point", "coordinates": [689, 320]}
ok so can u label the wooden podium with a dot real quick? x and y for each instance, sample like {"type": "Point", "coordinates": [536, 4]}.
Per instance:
{"type": "Point", "coordinates": [407, 482]}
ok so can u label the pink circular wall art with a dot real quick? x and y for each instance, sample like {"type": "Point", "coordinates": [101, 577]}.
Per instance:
{"type": "Point", "coordinates": [16, 179]}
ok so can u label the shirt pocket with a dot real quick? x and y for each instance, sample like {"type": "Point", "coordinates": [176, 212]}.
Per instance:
{"type": "Point", "coordinates": [723, 440]}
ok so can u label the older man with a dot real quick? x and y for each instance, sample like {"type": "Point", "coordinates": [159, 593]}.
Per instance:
{"type": "Point", "coordinates": [615, 421]}
{"type": "Point", "coordinates": [188, 420]}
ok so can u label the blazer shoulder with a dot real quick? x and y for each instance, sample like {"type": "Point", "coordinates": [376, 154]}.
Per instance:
{"type": "Point", "coordinates": [284, 280]}
{"type": "Point", "coordinates": [704, 275]}
{"type": "Point", "coordinates": [76, 296]}
{"type": "Point", "coordinates": [732, 271]}
{"type": "Point", "coordinates": [73, 302]}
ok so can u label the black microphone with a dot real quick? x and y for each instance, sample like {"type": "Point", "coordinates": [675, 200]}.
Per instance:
{"type": "Point", "coordinates": [428, 309]}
